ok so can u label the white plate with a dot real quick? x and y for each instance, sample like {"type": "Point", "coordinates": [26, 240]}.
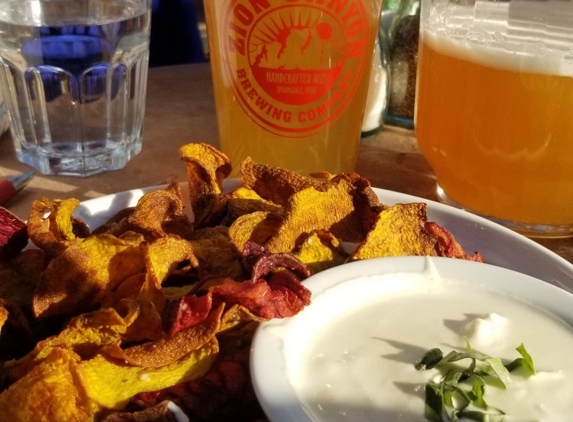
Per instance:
{"type": "Point", "coordinates": [281, 346]}
{"type": "Point", "coordinates": [498, 245]}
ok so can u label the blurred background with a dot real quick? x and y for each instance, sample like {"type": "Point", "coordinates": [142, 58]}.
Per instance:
{"type": "Point", "coordinates": [178, 33]}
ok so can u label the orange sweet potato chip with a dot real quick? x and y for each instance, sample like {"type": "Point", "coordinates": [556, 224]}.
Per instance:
{"type": "Point", "coordinates": [59, 229]}
{"type": "Point", "coordinates": [206, 169]}
{"type": "Point", "coordinates": [84, 335]}
{"type": "Point", "coordinates": [111, 383]}
{"type": "Point", "coordinates": [329, 208]}
{"type": "Point", "coordinates": [155, 210]}
{"type": "Point", "coordinates": [399, 231]}
{"type": "Point", "coordinates": [217, 255]}
{"type": "Point", "coordinates": [320, 251]}
{"type": "Point", "coordinates": [162, 352]}
{"type": "Point", "coordinates": [166, 254]}
{"type": "Point", "coordinates": [51, 391]}
{"type": "Point", "coordinates": [86, 272]}
{"type": "Point", "coordinates": [274, 184]}
{"type": "Point", "coordinates": [256, 227]}
{"type": "Point", "coordinates": [3, 315]}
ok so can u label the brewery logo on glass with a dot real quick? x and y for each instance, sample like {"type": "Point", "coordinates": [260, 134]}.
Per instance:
{"type": "Point", "coordinates": [294, 66]}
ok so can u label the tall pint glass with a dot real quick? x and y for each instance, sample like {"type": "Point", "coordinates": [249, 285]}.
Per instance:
{"type": "Point", "coordinates": [290, 79]}
{"type": "Point", "coordinates": [494, 109]}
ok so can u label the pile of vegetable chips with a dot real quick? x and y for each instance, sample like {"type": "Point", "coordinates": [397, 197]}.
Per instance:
{"type": "Point", "coordinates": [155, 311]}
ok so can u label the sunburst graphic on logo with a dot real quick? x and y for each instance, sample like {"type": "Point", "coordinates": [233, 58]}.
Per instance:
{"type": "Point", "coordinates": [293, 38]}
{"type": "Point", "coordinates": [296, 54]}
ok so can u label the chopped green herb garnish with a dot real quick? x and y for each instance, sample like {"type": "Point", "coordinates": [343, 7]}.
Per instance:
{"type": "Point", "coordinates": [460, 392]}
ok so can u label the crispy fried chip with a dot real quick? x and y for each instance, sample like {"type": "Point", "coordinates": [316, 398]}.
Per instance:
{"type": "Point", "coordinates": [13, 286]}
{"type": "Point", "coordinates": [166, 254]}
{"type": "Point", "coordinates": [399, 231]}
{"type": "Point", "coordinates": [280, 297]}
{"type": "Point", "coordinates": [162, 412]}
{"type": "Point", "coordinates": [84, 335]}
{"type": "Point", "coordinates": [55, 233]}
{"type": "Point", "coordinates": [147, 326]}
{"type": "Point", "coordinates": [85, 272]}
{"type": "Point", "coordinates": [320, 251]}
{"type": "Point", "coordinates": [312, 209]}
{"type": "Point", "coordinates": [214, 242]}
{"type": "Point", "coordinates": [239, 202]}
{"type": "Point", "coordinates": [186, 311]}
{"type": "Point", "coordinates": [111, 383]}
{"type": "Point", "coordinates": [206, 169]}
{"type": "Point", "coordinates": [51, 391]}
{"type": "Point", "coordinates": [224, 394]}
{"type": "Point", "coordinates": [447, 245]}
{"type": "Point", "coordinates": [274, 184]}
{"type": "Point", "coordinates": [155, 354]}
{"type": "Point", "coordinates": [256, 227]}
{"type": "Point", "coordinates": [156, 209]}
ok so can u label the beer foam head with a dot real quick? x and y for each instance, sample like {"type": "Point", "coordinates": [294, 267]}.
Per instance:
{"type": "Point", "coordinates": [523, 36]}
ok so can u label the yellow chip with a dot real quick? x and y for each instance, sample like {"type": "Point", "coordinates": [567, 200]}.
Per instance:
{"type": "Point", "coordinates": [320, 251]}
{"type": "Point", "coordinates": [111, 383]}
{"type": "Point", "coordinates": [256, 227]}
{"type": "Point", "coordinates": [86, 272]}
{"type": "Point", "coordinates": [51, 391]}
{"type": "Point", "coordinates": [399, 231]}
{"type": "Point", "coordinates": [331, 208]}
{"type": "Point", "coordinates": [84, 335]}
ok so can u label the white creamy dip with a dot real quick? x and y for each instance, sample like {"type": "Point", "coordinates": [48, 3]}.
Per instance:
{"type": "Point", "coordinates": [359, 365]}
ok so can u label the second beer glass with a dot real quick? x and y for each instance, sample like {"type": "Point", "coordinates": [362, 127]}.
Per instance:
{"type": "Point", "coordinates": [494, 107]}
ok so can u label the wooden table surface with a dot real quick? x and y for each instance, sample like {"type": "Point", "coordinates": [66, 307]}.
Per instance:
{"type": "Point", "coordinates": [180, 109]}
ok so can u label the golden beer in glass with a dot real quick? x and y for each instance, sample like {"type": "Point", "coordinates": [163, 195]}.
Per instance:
{"type": "Point", "coordinates": [494, 107]}
{"type": "Point", "coordinates": [290, 79]}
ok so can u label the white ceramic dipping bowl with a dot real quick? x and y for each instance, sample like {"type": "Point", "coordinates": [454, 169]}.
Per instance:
{"type": "Point", "coordinates": [335, 360]}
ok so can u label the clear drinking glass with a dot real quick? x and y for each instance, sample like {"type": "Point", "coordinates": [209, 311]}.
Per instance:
{"type": "Point", "coordinates": [74, 74]}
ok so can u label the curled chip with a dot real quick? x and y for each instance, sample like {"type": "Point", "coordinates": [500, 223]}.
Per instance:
{"type": "Point", "coordinates": [274, 184]}
{"type": "Point", "coordinates": [206, 169]}
{"type": "Point", "coordinates": [214, 242]}
{"type": "Point", "coordinates": [399, 231]}
{"type": "Point", "coordinates": [329, 208]}
{"type": "Point", "coordinates": [320, 251]}
{"type": "Point", "coordinates": [162, 352]}
{"type": "Point", "coordinates": [255, 227]}
{"type": "Point", "coordinates": [60, 229]}
{"type": "Point", "coordinates": [157, 210]}
{"type": "Point", "coordinates": [86, 272]}
{"type": "Point", "coordinates": [84, 335]}
{"type": "Point", "coordinates": [49, 392]}
{"type": "Point", "coordinates": [111, 383]}
{"type": "Point", "coordinates": [166, 411]}
{"type": "Point", "coordinates": [447, 245]}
